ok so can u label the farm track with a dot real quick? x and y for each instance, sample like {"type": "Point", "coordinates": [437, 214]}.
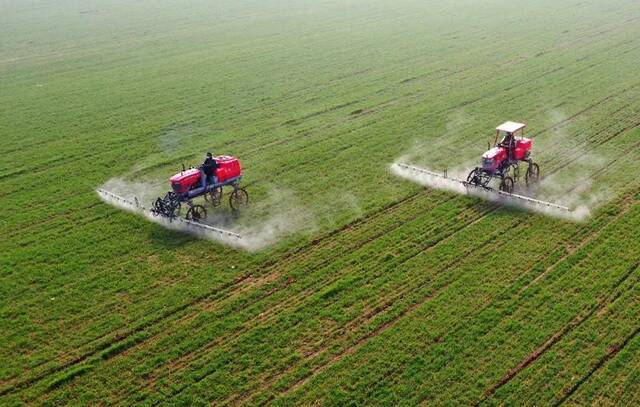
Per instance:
{"type": "Point", "coordinates": [585, 238]}
{"type": "Point", "coordinates": [482, 97]}
{"type": "Point", "coordinates": [595, 140]}
{"type": "Point", "coordinates": [301, 253]}
{"type": "Point", "coordinates": [457, 329]}
{"type": "Point", "coordinates": [100, 349]}
{"type": "Point", "coordinates": [415, 95]}
{"type": "Point", "coordinates": [558, 125]}
{"type": "Point", "coordinates": [454, 108]}
{"type": "Point", "coordinates": [600, 228]}
{"type": "Point", "coordinates": [609, 168]}
{"type": "Point", "coordinates": [596, 32]}
{"type": "Point", "coordinates": [350, 349]}
{"type": "Point", "coordinates": [516, 295]}
{"type": "Point", "coordinates": [137, 330]}
{"type": "Point", "coordinates": [576, 322]}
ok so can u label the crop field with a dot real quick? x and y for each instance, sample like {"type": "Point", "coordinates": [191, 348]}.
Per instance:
{"type": "Point", "coordinates": [362, 288]}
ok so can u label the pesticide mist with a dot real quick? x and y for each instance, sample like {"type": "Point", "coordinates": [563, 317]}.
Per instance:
{"type": "Point", "coordinates": [578, 212]}
{"type": "Point", "coordinates": [262, 225]}
{"type": "Point", "coordinates": [570, 169]}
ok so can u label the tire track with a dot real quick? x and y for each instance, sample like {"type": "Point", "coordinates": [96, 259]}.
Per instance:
{"type": "Point", "coordinates": [287, 258]}
{"type": "Point", "coordinates": [493, 302]}
{"type": "Point", "coordinates": [611, 353]}
{"type": "Point", "coordinates": [270, 264]}
{"type": "Point", "coordinates": [379, 309]}
{"type": "Point", "coordinates": [445, 237]}
{"type": "Point", "coordinates": [247, 275]}
{"type": "Point", "coordinates": [394, 371]}
{"type": "Point", "coordinates": [558, 168]}
{"type": "Point", "coordinates": [577, 321]}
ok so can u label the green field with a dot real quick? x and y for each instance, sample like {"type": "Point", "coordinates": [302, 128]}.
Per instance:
{"type": "Point", "coordinates": [378, 291]}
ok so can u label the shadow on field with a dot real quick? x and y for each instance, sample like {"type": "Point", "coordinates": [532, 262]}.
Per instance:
{"type": "Point", "coordinates": [170, 239]}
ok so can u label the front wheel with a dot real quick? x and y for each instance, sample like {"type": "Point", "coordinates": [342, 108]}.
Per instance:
{"type": "Point", "coordinates": [238, 199]}
{"type": "Point", "coordinates": [507, 185]}
{"type": "Point", "coordinates": [196, 213]}
{"type": "Point", "coordinates": [533, 174]}
{"type": "Point", "coordinates": [479, 177]}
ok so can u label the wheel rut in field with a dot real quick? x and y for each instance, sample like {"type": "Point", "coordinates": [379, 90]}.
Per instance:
{"type": "Point", "coordinates": [611, 353]}
{"type": "Point", "coordinates": [240, 280]}
{"type": "Point", "coordinates": [627, 203]}
{"type": "Point", "coordinates": [577, 321]}
{"type": "Point", "coordinates": [444, 237]}
{"type": "Point", "coordinates": [287, 258]}
{"type": "Point", "coordinates": [379, 309]}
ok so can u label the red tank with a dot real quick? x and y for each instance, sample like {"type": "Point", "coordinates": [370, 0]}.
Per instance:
{"type": "Point", "coordinates": [523, 146]}
{"type": "Point", "coordinates": [185, 180]}
{"type": "Point", "coordinates": [229, 167]}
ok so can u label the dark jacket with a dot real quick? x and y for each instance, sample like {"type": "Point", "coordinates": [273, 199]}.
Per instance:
{"type": "Point", "coordinates": [209, 166]}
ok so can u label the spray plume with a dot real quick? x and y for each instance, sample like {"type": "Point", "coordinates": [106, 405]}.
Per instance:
{"type": "Point", "coordinates": [275, 225]}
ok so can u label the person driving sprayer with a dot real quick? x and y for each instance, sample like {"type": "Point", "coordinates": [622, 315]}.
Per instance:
{"type": "Point", "coordinates": [208, 168]}
{"type": "Point", "coordinates": [509, 142]}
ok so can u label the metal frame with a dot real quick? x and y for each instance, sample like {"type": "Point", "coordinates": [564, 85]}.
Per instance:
{"type": "Point", "coordinates": [489, 189]}
{"type": "Point", "coordinates": [136, 205]}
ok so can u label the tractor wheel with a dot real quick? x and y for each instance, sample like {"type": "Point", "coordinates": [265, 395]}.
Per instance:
{"type": "Point", "coordinates": [214, 197]}
{"type": "Point", "coordinates": [174, 211]}
{"type": "Point", "coordinates": [507, 185]}
{"type": "Point", "coordinates": [533, 174]}
{"type": "Point", "coordinates": [514, 170]}
{"type": "Point", "coordinates": [478, 177]}
{"type": "Point", "coordinates": [158, 207]}
{"type": "Point", "coordinates": [172, 204]}
{"type": "Point", "coordinates": [196, 213]}
{"type": "Point", "coordinates": [238, 199]}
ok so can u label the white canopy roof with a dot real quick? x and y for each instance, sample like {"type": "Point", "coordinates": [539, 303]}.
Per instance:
{"type": "Point", "coordinates": [511, 127]}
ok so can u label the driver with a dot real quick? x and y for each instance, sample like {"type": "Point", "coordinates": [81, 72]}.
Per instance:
{"type": "Point", "coordinates": [509, 142]}
{"type": "Point", "coordinates": [209, 167]}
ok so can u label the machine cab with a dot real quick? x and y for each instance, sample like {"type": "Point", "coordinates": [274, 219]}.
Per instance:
{"type": "Point", "coordinates": [511, 135]}
{"type": "Point", "coordinates": [508, 130]}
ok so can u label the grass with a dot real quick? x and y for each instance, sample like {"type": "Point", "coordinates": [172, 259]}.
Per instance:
{"type": "Point", "coordinates": [391, 294]}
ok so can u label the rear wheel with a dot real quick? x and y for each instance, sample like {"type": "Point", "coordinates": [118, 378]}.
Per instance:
{"type": "Point", "coordinates": [507, 185]}
{"type": "Point", "coordinates": [177, 208]}
{"type": "Point", "coordinates": [514, 172]}
{"type": "Point", "coordinates": [196, 213]}
{"type": "Point", "coordinates": [238, 199]}
{"type": "Point", "coordinates": [533, 174]}
{"type": "Point", "coordinates": [214, 197]}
